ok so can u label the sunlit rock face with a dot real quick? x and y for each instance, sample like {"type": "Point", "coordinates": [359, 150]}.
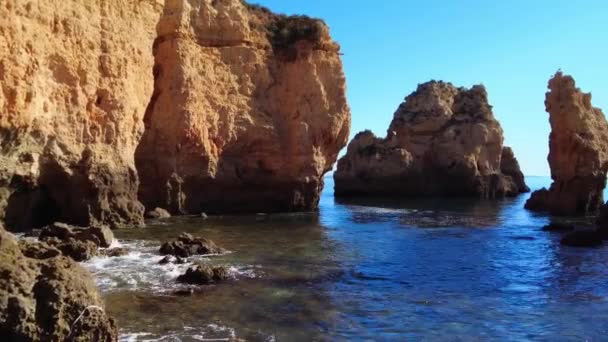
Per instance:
{"type": "Point", "coordinates": [76, 77]}
{"type": "Point", "coordinates": [239, 110]}
{"type": "Point", "coordinates": [578, 151]}
{"type": "Point", "coordinates": [248, 112]}
{"type": "Point", "coordinates": [443, 140]}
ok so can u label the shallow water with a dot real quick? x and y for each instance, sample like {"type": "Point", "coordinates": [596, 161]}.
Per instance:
{"type": "Point", "coordinates": [366, 270]}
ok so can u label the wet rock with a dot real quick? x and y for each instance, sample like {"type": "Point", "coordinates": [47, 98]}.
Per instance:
{"type": "Point", "coordinates": [114, 252]}
{"type": "Point", "coordinates": [203, 275]}
{"type": "Point", "coordinates": [78, 250]}
{"type": "Point", "coordinates": [101, 236]}
{"type": "Point", "coordinates": [43, 299]}
{"type": "Point", "coordinates": [186, 245]}
{"type": "Point", "coordinates": [558, 227]}
{"type": "Point", "coordinates": [172, 259]}
{"type": "Point", "coordinates": [442, 141]}
{"type": "Point", "coordinates": [582, 238]}
{"type": "Point", "coordinates": [578, 152]}
{"type": "Point", "coordinates": [158, 214]}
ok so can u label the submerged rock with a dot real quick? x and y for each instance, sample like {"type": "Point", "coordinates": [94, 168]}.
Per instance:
{"type": "Point", "coordinates": [50, 298]}
{"type": "Point", "coordinates": [578, 152]}
{"type": "Point", "coordinates": [249, 110]}
{"type": "Point", "coordinates": [204, 275]}
{"type": "Point", "coordinates": [186, 245]}
{"type": "Point", "coordinates": [114, 252]}
{"type": "Point", "coordinates": [558, 227]}
{"type": "Point", "coordinates": [171, 259]}
{"type": "Point", "coordinates": [582, 238]}
{"type": "Point", "coordinates": [443, 141]}
{"type": "Point", "coordinates": [158, 213]}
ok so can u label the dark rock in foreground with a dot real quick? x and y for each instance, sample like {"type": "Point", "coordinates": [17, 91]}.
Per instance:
{"type": "Point", "coordinates": [186, 246]}
{"type": "Point", "coordinates": [203, 275]}
{"type": "Point", "coordinates": [558, 227]}
{"type": "Point", "coordinates": [582, 238]}
{"type": "Point", "coordinates": [47, 297]}
{"type": "Point", "coordinates": [171, 259]}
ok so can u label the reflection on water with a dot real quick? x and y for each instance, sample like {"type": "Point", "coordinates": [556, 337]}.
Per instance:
{"type": "Point", "coordinates": [374, 269]}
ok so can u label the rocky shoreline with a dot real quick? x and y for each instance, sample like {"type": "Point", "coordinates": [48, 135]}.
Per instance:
{"type": "Point", "coordinates": [223, 107]}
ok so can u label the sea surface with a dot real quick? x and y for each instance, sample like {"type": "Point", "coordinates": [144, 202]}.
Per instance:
{"type": "Point", "coordinates": [376, 269]}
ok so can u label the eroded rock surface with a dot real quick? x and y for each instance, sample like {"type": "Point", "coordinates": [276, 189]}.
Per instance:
{"type": "Point", "coordinates": [186, 245]}
{"type": "Point", "coordinates": [204, 275]}
{"type": "Point", "coordinates": [248, 112]}
{"type": "Point", "coordinates": [48, 297]}
{"type": "Point", "coordinates": [244, 110]}
{"type": "Point", "coordinates": [443, 140]}
{"type": "Point", "coordinates": [578, 152]}
{"type": "Point", "coordinates": [76, 78]}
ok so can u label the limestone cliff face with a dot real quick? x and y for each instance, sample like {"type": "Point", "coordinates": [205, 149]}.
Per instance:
{"type": "Point", "coordinates": [443, 140]}
{"type": "Point", "coordinates": [76, 77]}
{"type": "Point", "coordinates": [578, 151]}
{"type": "Point", "coordinates": [243, 109]}
{"type": "Point", "coordinates": [248, 112]}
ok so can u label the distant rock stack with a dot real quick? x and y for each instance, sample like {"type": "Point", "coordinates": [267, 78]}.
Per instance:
{"type": "Point", "coordinates": [443, 141]}
{"type": "Point", "coordinates": [578, 152]}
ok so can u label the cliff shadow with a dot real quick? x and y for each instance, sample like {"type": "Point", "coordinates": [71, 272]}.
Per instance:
{"type": "Point", "coordinates": [30, 208]}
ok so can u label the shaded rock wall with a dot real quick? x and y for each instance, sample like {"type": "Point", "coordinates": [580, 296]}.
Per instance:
{"type": "Point", "coordinates": [248, 112]}
{"type": "Point", "coordinates": [443, 140]}
{"type": "Point", "coordinates": [578, 152]}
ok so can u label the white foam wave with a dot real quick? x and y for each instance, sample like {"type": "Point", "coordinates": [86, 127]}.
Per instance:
{"type": "Point", "coordinates": [210, 332]}
{"type": "Point", "coordinates": [140, 269]}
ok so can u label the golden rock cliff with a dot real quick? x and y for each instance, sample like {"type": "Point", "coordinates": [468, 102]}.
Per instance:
{"type": "Point", "coordinates": [248, 112]}
{"type": "Point", "coordinates": [75, 81]}
{"type": "Point", "coordinates": [578, 152]}
{"type": "Point", "coordinates": [443, 141]}
{"type": "Point", "coordinates": [243, 109]}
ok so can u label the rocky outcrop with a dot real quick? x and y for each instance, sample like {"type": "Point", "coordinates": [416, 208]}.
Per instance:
{"type": "Point", "coordinates": [76, 78]}
{"type": "Point", "coordinates": [578, 152]}
{"type": "Point", "coordinates": [186, 245]}
{"type": "Point", "coordinates": [443, 141]}
{"type": "Point", "coordinates": [244, 110]}
{"type": "Point", "coordinates": [248, 112]}
{"type": "Point", "coordinates": [47, 297]}
{"type": "Point", "coordinates": [203, 275]}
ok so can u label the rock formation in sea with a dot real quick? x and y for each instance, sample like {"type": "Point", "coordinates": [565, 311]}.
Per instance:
{"type": "Point", "coordinates": [248, 112]}
{"type": "Point", "coordinates": [244, 110]}
{"type": "Point", "coordinates": [443, 141]}
{"type": "Point", "coordinates": [578, 152]}
{"type": "Point", "coordinates": [47, 297]}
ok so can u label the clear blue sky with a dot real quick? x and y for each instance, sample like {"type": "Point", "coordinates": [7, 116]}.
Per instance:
{"type": "Point", "coordinates": [512, 47]}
